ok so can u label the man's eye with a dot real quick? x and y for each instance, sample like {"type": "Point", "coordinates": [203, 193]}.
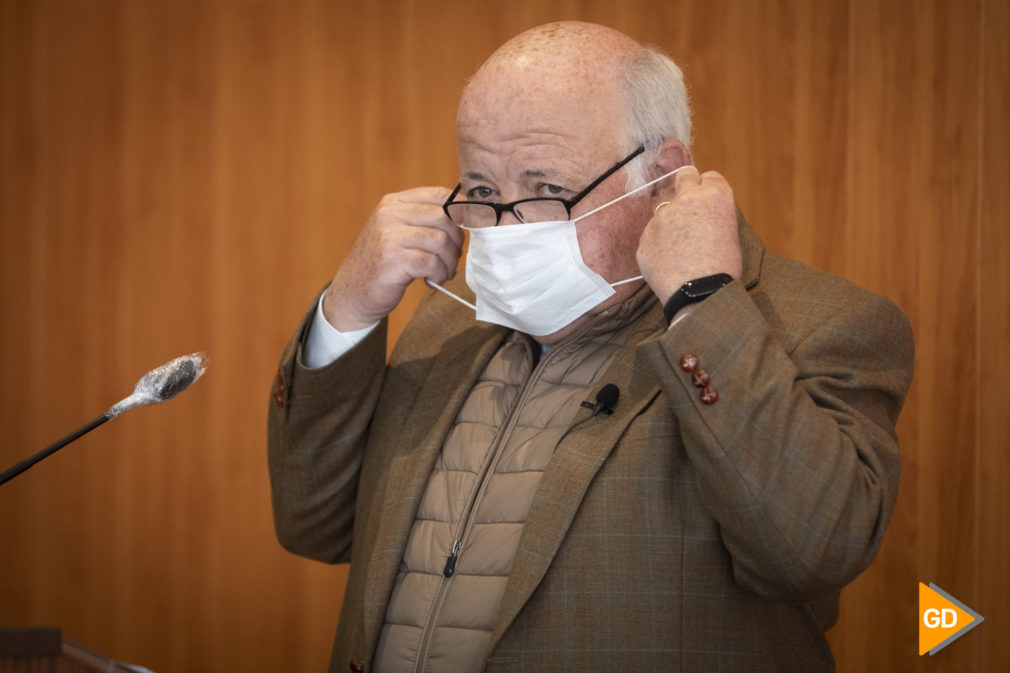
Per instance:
{"type": "Point", "coordinates": [479, 193]}
{"type": "Point", "coordinates": [552, 190]}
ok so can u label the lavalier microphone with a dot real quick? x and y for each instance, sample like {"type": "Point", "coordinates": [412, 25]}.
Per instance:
{"type": "Point", "coordinates": [606, 402]}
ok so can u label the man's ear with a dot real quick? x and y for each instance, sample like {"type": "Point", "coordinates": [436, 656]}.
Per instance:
{"type": "Point", "coordinates": [671, 155]}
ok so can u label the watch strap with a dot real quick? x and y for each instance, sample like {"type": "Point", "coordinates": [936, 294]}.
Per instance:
{"type": "Point", "coordinates": [694, 291]}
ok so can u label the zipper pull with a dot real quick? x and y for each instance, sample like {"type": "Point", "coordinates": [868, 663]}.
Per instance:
{"type": "Point", "coordinates": [450, 563]}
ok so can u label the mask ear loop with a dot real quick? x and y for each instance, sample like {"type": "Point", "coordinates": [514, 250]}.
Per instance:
{"type": "Point", "coordinates": [436, 286]}
{"type": "Point", "coordinates": [627, 194]}
{"type": "Point", "coordinates": [432, 284]}
{"type": "Point", "coordinates": [637, 189]}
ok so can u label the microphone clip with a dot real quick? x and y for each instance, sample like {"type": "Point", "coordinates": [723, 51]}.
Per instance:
{"type": "Point", "coordinates": [598, 407]}
{"type": "Point", "coordinates": [606, 400]}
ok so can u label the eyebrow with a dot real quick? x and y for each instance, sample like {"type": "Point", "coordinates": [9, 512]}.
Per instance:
{"type": "Point", "coordinates": [526, 174]}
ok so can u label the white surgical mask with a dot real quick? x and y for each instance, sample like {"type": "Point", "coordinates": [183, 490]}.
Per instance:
{"type": "Point", "coordinates": [531, 277]}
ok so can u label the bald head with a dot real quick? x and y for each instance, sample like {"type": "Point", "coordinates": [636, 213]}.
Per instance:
{"type": "Point", "coordinates": [569, 69]}
{"type": "Point", "coordinates": [562, 51]}
{"type": "Point", "coordinates": [602, 82]}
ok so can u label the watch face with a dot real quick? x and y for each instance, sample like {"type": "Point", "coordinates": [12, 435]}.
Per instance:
{"type": "Point", "coordinates": [692, 291]}
{"type": "Point", "coordinates": [702, 287]}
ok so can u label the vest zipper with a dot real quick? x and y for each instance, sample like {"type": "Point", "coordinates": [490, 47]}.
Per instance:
{"type": "Point", "coordinates": [429, 626]}
{"type": "Point", "coordinates": [492, 464]}
{"type": "Point", "coordinates": [450, 563]}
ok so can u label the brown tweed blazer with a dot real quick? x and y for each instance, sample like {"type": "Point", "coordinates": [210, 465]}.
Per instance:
{"type": "Point", "coordinates": [669, 536]}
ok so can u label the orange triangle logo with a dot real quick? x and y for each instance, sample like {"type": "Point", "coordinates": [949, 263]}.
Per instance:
{"type": "Point", "coordinates": [942, 619]}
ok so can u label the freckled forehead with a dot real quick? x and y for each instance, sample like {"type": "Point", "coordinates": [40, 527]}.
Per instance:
{"type": "Point", "coordinates": [565, 43]}
{"type": "Point", "coordinates": [565, 77]}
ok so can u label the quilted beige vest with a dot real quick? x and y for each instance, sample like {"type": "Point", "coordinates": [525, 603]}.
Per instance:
{"type": "Point", "coordinates": [466, 532]}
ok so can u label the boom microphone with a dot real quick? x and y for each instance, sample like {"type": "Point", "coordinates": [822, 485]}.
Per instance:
{"type": "Point", "coordinates": [158, 385]}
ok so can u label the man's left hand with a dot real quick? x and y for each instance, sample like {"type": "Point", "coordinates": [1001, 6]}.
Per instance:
{"type": "Point", "coordinates": [693, 235]}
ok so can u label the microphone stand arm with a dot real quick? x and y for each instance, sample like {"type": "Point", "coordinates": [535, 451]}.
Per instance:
{"type": "Point", "coordinates": [53, 448]}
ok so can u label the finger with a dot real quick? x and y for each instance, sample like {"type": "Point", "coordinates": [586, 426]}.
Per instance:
{"type": "Point", "coordinates": [433, 243]}
{"type": "Point", "coordinates": [666, 190]}
{"type": "Point", "coordinates": [715, 179]}
{"type": "Point", "coordinates": [435, 218]}
{"type": "Point", "coordinates": [435, 195]}
{"type": "Point", "coordinates": [425, 265]}
{"type": "Point", "coordinates": [419, 214]}
{"type": "Point", "coordinates": [685, 179]}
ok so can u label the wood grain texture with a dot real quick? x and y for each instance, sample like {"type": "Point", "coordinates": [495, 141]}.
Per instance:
{"type": "Point", "coordinates": [992, 497]}
{"type": "Point", "coordinates": [180, 176]}
{"type": "Point", "coordinates": [912, 185]}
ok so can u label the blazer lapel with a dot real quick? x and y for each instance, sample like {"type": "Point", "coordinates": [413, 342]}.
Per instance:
{"type": "Point", "coordinates": [570, 471]}
{"type": "Point", "coordinates": [453, 373]}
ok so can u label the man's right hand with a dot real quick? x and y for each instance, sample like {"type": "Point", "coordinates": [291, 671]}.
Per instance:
{"type": "Point", "coordinates": [408, 236]}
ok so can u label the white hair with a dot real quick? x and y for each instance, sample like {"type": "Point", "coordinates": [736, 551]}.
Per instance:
{"type": "Point", "coordinates": [657, 109]}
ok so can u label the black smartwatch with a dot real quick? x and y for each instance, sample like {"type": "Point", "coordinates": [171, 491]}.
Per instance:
{"type": "Point", "coordinates": [693, 291]}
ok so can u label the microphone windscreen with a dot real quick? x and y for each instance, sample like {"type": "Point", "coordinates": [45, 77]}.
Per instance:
{"type": "Point", "coordinates": [172, 378]}
{"type": "Point", "coordinates": [164, 382]}
{"type": "Point", "coordinates": [608, 396]}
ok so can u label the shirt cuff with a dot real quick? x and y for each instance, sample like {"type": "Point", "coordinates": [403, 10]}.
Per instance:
{"type": "Point", "coordinates": [325, 343]}
{"type": "Point", "coordinates": [681, 314]}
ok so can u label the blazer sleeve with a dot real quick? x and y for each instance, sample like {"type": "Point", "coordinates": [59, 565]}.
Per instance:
{"type": "Point", "coordinates": [798, 459]}
{"type": "Point", "coordinates": [317, 429]}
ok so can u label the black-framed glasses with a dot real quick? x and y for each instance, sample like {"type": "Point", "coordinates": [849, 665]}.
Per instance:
{"type": "Point", "coordinates": [476, 214]}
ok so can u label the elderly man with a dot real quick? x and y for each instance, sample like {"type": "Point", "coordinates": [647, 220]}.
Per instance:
{"type": "Point", "coordinates": [656, 446]}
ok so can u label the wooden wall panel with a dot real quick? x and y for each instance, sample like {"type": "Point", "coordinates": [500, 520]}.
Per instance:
{"type": "Point", "coordinates": [185, 175]}
{"type": "Point", "coordinates": [912, 184]}
{"type": "Point", "coordinates": [992, 497]}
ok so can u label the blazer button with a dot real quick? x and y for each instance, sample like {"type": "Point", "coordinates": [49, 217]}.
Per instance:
{"type": "Point", "coordinates": [709, 395]}
{"type": "Point", "coordinates": [356, 667]}
{"type": "Point", "coordinates": [700, 378]}
{"type": "Point", "coordinates": [688, 362]}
